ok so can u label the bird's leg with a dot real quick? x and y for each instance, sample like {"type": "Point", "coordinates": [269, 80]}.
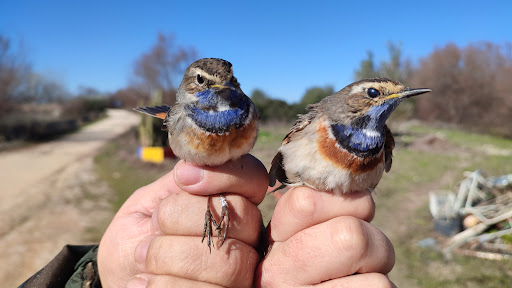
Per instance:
{"type": "Point", "coordinates": [207, 230]}
{"type": "Point", "coordinates": [224, 214]}
{"type": "Point", "coordinates": [209, 221]}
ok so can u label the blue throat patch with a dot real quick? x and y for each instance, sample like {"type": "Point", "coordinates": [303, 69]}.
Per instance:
{"type": "Point", "coordinates": [210, 98]}
{"type": "Point", "coordinates": [356, 141]}
{"type": "Point", "coordinates": [365, 136]}
{"type": "Point", "coordinates": [206, 115]}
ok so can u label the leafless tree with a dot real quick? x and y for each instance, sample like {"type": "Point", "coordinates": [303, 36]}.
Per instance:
{"type": "Point", "coordinates": [471, 87]}
{"type": "Point", "coordinates": [14, 71]}
{"type": "Point", "coordinates": [161, 68]}
{"type": "Point", "coordinates": [129, 97]}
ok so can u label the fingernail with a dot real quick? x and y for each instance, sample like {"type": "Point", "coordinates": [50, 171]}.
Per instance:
{"type": "Point", "coordinates": [137, 282]}
{"type": "Point", "coordinates": [188, 174]}
{"type": "Point", "coordinates": [141, 252]}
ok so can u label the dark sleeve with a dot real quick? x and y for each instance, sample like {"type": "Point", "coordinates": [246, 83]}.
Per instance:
{"type": "Point", "coordinates": [74, 266]}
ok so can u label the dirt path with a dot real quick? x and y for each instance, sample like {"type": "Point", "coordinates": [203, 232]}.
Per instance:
{"type": "Point", "coordinates": [50, 196]}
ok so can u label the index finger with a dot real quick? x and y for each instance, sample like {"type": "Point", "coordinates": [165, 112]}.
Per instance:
{"type": "Point", "coordinates": [245, 176]}
{"type": "Point", "coordinates": [303, 207]}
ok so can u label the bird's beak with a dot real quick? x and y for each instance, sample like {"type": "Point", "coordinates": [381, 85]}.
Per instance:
{"type": "Point", "coordinates": [225, 85]}
{"type": "Point", "coordinates": [409, 93]}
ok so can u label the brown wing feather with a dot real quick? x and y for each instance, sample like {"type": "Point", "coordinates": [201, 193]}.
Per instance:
{"type": "Point", "coordinates": [277, 171]}
{"type": "Point", "coordinates": [301, 123]}
{"type": "Point", "coordinates": [389, 145]}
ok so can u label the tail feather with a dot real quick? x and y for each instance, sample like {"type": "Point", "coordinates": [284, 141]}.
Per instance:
{"type": "Point", "coordinates": [156, 111]}
{"type": "Point", "coordinates": [277, 172]}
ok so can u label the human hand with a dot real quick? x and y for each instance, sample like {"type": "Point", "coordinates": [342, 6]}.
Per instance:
{"type": "Point", "coordinates": [325, 240]}
{"type": "Point", "coordinates": [155, 238]}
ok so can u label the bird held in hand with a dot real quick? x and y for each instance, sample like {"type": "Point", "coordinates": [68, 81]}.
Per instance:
{"type": "Point", "coordinates": [342, 144]}
{"type": "Point", "coordinates": [212, 122]}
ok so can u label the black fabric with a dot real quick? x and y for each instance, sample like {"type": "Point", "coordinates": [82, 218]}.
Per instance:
{"type": "Point", "coordinates": [74, 266]}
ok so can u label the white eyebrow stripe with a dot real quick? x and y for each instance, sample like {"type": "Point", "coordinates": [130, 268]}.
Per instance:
{"type": "Point", "coordinates": [205, 75]}
{"type": "Point", "coordinates": [361, 87]}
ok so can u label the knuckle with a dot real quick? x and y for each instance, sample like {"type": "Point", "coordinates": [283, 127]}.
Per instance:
{"type": "Point", "coordinates": [254, 221]}
{"type": "Point", "coordinates": [271, 274]}
{"type": "Point", "coordinates": [168, 212]}
{"type": "Point", "coordinates": [244, 217]}
{"type": "Point", "coordinates": [302, 204]}
{"type": "Point", "coordinates": [258, 181]}
{"type": "Point", "coordinates": [240, 267]}
{"type": "Point", "coordinates": [370, 212]}
{"type": "Point", "coordinates": [381, 280]}
{"type": "Point", "coordinates": [152, 259]}
{"type": "Point", "coordinates": [349, 238]}
{"type": "Point", "coordinates": [241, 207]}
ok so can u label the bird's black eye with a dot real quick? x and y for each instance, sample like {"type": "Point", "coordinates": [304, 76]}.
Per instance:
{"type": "Point", "coordinates": [199, 79]}
{"type": "Point", "coordinates": [372, 92]}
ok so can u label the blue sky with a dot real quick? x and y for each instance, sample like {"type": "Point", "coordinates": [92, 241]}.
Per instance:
{"type": "Point", "coordinates": [282, 47]}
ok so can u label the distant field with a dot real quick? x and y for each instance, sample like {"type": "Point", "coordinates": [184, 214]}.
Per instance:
{"type": "Point", "coordinates": [425, 159]}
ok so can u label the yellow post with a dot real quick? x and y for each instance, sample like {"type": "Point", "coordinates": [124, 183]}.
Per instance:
{"type": "Point", "coordinates": [151, 154]}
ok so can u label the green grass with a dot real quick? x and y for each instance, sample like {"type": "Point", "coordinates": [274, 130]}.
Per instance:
{"type": "Point", "coordinates": [269, 138]}
{"type": "Point", "coordinates": [125, 174]}
{"type": "Point", "coordinates": [428, 269]}
{"type": "Point", "coordinates": [411, 169]}
{"type": "Point", "coordinates": [465, 139]}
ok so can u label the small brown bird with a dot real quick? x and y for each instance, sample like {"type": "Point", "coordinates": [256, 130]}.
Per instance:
{"type": "Point", "coordinates": [212, 122]}
{"type": "Point", "coordinates": [343, 144]}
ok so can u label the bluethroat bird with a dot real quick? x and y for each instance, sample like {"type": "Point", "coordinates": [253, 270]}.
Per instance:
{"type": "Point", "coordinates": [212, 122]}
{"type": "Point", "coordinates": [342, 144]}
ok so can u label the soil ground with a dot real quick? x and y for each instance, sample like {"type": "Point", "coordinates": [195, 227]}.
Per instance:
{"type": "Point", "coordinates": [50, 196]}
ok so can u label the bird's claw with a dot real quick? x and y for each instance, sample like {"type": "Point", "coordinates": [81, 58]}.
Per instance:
{"type": "Point", "coordinates": [224, 215]}
{"type": "Point", "coordinates": [207, 230]}
{"type": "Point", "coordinates": [209, 221]}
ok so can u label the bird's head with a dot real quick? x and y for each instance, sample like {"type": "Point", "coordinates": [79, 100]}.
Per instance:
{"type": "Point", "coordinates": [368, 103]}
{"type": "Point", "coordinates": [210, 83]}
